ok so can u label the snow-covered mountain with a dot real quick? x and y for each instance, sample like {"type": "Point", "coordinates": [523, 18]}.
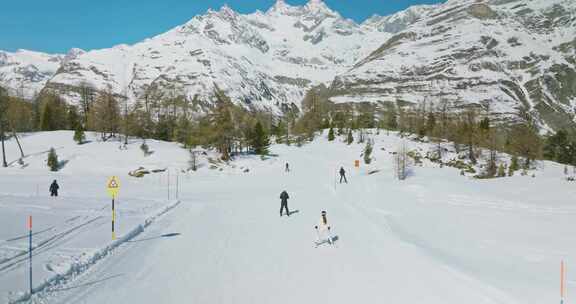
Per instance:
{"type": "Point", "coordinates": [264, 59]}
{"type": "Point", "coordinates": [399, 21]}
{"type": "Point", "coordinates": [25, 73]}
{"type": "Point", "coordinates": [502, 54]}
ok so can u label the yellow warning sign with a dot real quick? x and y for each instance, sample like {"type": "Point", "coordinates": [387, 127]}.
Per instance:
{"type": "Point", "coordinates": [113, 186]}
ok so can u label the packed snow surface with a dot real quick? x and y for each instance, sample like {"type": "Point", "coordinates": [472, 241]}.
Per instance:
{"type": "Point", "coordinates": [437, 237]}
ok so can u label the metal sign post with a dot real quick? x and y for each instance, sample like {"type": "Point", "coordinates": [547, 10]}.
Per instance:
{"type": "Point", "coordinates": [113, 187]}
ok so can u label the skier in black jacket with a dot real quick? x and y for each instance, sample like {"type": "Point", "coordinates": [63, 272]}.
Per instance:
{"type": "Point", "coordinates": [343, 175]}
{"type": "Point", "coordinates": [54, 188]}
{"type": "Point", "coordinates": [284, 202]}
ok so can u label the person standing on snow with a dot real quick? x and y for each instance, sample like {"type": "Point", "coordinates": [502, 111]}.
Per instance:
{"type": "Point", "coordinates": [323, 230]}
{"type": "Point", "coordinates": [343, 175]}
{"type": "Point", "coordinates": [284, 202]}
{"type": "Point", "coordinates": [54, 188]}
{"type": "Point", "coordinates": [287, 168]}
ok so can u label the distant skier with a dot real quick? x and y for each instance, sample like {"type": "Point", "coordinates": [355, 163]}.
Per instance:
{"type": "Point", "coordinates": [343, 175]}
{"type": "Point", "coordinates": [323, 230]}
{"type": "Point", "coordinates": [54, 188]}
{"type": "Point", "coordinates": [284, 202]}
{"type": "Point", "coordinates": [287, 168]}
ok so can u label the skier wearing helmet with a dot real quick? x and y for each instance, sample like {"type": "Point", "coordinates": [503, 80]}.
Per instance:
{"type": "Point", "coordinates": [323, 230]}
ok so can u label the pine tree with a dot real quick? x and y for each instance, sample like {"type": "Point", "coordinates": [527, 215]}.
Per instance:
{"type": "Point", "coordinates": [53, 160]}
{"type": "Point", "coordinates": [392, 119]}
{"type": "Point", "coordinates": [331, 134]}
{"type": "Point", "coordinates": [368, 152]}
{"type": "Point", "coordinates": [260, 141]}
{"type": "Point", "coordinates": [54, 114]}
{"type": "Point", "coordinates": [514, 166]}
{"type": "Point", "coordinates": [79, 136]}
{"type": "Point", "coordinates": [501, 171]}
{"type": "Point", "coordinates": [46, 119]}
{"type": "Point", "coordinates": [349, 138]}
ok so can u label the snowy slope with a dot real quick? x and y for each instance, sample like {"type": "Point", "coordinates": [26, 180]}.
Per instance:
{"type": "Point", "coordinates": [436, 237]}
{"type": "Point", "coordinates": [74, 230]}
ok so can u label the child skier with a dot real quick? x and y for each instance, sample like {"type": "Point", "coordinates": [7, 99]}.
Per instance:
{"type": "Point", "coordinates": [323, 230]}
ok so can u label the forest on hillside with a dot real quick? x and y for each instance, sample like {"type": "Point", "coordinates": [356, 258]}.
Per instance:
{"type": "Point", "coordinates": [231, 129]}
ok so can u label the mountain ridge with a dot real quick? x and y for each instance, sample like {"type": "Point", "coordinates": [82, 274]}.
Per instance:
{"type": "Point", "coordinates": [496, 54]}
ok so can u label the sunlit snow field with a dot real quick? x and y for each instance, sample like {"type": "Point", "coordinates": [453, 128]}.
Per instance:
{"type": "Point", "coordinates": [437, 237]}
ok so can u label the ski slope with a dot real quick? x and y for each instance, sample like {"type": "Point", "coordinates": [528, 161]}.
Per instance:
{"type": "Point", "coordinates": [436, 237]}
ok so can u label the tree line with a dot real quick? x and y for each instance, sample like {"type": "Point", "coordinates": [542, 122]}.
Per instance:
{"type": "Point", "coordinates": [232, 129]}
{"type": "Point", "coordinates": [228, 128]}
{"type": "Point", "coordinates": [472, 129]}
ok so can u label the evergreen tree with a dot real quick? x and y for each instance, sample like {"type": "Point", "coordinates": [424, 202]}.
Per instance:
{"type": "Point", "coordinates": [368, 152]}
{"type": "Point", "coordinates": [46, 120]}
{"type": "Point", "coordinates": [559, 148]}
{"type": "Point", "coordinates": [331, 134]}
{"type": "Point", "coordinates": [484, 124]}
{"type": "Point", "coordinates": [514, 166]}
{"type": "Point", "coordinates": [349, 138]}
{"type": "Point", "coordinates": [501, 171]}
{"type": "Point", "coordinates": [79, 136]}
{"type": "Point", "coordinates": [392, 118]}
{"type": "Point", "coordinates": [53, 160]}
{"type": "Point", "coordinates": [54, 114]}
{"type": "Point", "coordinates": [260, 141]}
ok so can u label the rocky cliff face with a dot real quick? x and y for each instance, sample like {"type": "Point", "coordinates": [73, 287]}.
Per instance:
{"type": "Point", "coordinates": [500, 55]}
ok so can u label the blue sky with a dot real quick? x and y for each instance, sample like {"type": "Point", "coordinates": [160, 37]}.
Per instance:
{"type": "Point", "coordinates": [55, 26]}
